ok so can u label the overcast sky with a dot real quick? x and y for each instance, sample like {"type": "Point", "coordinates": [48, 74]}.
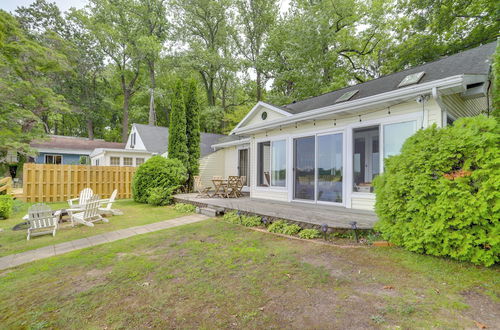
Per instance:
{"type": "Point", "coordinates": [64, 5]}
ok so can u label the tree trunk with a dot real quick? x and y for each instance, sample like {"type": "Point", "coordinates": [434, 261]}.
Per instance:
{"type": "Point", "coordinates": [90, 129]}
{"type": "Point", "coordinates": [152, 113]}
{"type": "Point", "coordinates": [259, 87]}
{"type": "Point", "coordinates": [126, 97]}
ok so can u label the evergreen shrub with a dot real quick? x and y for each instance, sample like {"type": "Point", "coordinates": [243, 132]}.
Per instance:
{"type": "Point", "coordinates": [6, 205]}
{"type": "Point", "coordinates": [158, 172]}
{"type": "Point", "coordinates": [441, 194]}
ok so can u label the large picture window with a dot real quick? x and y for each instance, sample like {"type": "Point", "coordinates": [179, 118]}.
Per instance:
{"type": "Point", "coordinates": [271, 163]}
{"type": "Point", "coordinates": [395, 135]}
{"type": "Point", "coordinates": [278, 163]}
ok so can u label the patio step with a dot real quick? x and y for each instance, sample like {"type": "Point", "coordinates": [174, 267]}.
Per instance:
{"type": "Point", "coordinates": [210, 211]}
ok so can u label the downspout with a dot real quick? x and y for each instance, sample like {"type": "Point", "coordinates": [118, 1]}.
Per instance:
{"type": "Point", "coordinates": [439, 101]}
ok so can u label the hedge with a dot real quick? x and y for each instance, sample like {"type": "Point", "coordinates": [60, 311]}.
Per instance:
{"type": "Point", "coordinates": [441, 194]}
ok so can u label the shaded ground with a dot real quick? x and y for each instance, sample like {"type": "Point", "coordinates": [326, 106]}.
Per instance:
{"type": "Point", "coordinates": [134, 214]}
{"type": "Point", "coordinates": [216, 275]}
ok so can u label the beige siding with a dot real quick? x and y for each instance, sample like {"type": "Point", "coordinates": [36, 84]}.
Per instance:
{"type": "Point", "coordinates": [257, 117]}
{"type": "Point", "coordinates": [270, 194]}
{"type": "Point", "coordinates": [363, 203]}
{"type": "Point", "coordinates": [210, 165]}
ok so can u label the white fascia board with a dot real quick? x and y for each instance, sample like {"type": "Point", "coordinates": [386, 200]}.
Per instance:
{"type": "Point", "coordinates": [254, 109]}
{"type": "Point", "coordinates": [63, 151]}
{"type": "Point", "coordinates": [101, 151]}
{"type": "Point", "coordinates": [230, 144]}
{"type": "Point", "coordinates": [358, 105]}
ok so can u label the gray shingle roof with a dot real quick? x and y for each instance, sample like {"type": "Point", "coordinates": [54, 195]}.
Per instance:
{"type": "Point", "coordinates": [155, 139]}
{"type": "Point", "coordinates": [74, 142]}
{"type": "Point", "coordinates": [474, 61]}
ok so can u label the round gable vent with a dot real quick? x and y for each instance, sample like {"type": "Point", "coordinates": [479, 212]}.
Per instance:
{"type": "Point", "coordinates": [263, 115]}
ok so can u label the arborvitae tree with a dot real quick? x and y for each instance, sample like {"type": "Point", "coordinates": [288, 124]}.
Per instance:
{"type": "Point", "coordinates": [177, 139]}
{"type": "Point", "coordinates": [192, 130]}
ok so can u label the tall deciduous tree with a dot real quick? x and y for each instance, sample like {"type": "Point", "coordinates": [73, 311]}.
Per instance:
{"type": "Point", "coordinates": [118, 30]}
{"type": "Point", "coordinates": [26, 101]}
{"type": "Point", "coordinates": [192, 129]}
{"type": "Point", "coordinates": [152, 16]}
{"type": "Point", "coordinates": [177, 138]}
{"type": "Point", "coordinates": [205, 26]}
{"type": "Point", "coordinates": [255, 19]}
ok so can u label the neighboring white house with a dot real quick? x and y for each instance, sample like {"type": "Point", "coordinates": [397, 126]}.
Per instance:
{"type": "Point", "coordinates": [327, 149]}
{"type": "Point", "coordinates": [145, 141]}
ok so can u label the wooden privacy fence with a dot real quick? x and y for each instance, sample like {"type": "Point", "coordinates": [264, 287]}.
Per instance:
{"type": "Point", "coordinates": [6, 185]}
{"type": "Point", "coordinates": [54, 183]}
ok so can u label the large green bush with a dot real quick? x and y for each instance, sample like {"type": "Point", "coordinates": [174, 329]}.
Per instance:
{"type": "Point", "coordinates": [441, 195]}
{"type": "Point", "coordinates": [6, 205]}
{"type": "Point", "coordinates": [157, 172]}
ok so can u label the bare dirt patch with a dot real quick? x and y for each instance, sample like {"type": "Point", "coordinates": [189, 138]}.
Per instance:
{"type": "Point", "coordinates": [482, 308]}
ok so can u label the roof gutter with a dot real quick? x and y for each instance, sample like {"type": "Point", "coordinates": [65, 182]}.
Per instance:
{"type": "Point", "coordinates": [230, 144]}
{"type": "Point", "coordinates": [358, 105]}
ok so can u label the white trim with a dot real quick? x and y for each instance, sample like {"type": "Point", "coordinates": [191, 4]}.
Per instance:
{"type": "Point", "coordinates": [357, 105]}
{"type": "Point", "coordinates": [63, 151]}
{"type": "Point", "coordinates": [255, 108]}
{"type": "Point", "coordinates": [230, 144]}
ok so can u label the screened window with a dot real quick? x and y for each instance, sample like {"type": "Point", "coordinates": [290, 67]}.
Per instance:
{"type": "Point", "coordinates": [395, 135]}
{"type": "Point", "coordinates": [127, 161]}
{"type": "Point", "coordinates": [114, 161]}
{"type": "Point", "coordinates": [132, 140]}
{"type": "Point", "coordinates": [53, 159]}
{"type": "Point", "coordinates": [278, 163]}
{"type": "Point", "coordinates": [139, 161]}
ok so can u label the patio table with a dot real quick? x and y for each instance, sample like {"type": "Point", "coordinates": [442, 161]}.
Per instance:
{"type": "Point", "coordinates": [220, 188]}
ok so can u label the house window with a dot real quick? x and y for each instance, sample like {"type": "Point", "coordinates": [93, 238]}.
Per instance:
{"type": "Point", "coordinates": [127, 161]}
{"type": "Point", "coordinates": [264, 164]}
{"type": "Point", "coordinates": [395, 135]}
{"type": "Point", "coordinates": [139, 161]}
{"type": "Point", "coordinates": [53, 159]}
{"type": "Point", "coordinates": [84, 160]}
{"type": "Point", "coordinates": [278, 163]}
{"type": "Point", "coordinates": [271, 160]}
{"type": "Point", "coordinates": [366, 158]}
{"type": "Point", "coordinates": [114, 161]}
{"type": "Point", "coordinates": [96, 162]}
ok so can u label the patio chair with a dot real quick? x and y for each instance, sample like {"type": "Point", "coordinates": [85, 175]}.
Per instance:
{"type": "Point", "coordinates": [85, 194]}
{"type": "Point", "coordinates": [88, 214]}
{"type": "Point", "coordinates": [243, 182]}
{"type": "Point", "coordinates": [220, 188]}
{"type": "Point", "coordinates": [41, 220]}
{"type": "Point", "coordinates": [200, 188]}
{"type": "Point", "coordinates": [233, 185]}
{"type": "Point", "coordinates": [109, 204]}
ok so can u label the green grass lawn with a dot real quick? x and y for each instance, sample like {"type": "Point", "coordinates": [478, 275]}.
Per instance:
{"type": "Point", "coordinates": [134, 214]}
{"type": "Point", "coordinates": [216, 275]}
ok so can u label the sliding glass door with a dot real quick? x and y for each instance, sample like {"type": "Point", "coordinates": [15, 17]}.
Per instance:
{"type": "Point", "coordinates": [329, 168]}
{"type": "Point", "coordinates": [304, 164]}
{"type": "Point", "coordinates": [318, 170]}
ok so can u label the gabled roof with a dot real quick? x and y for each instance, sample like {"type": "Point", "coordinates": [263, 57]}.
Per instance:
{"type": "Point", "coordinates": [281, 110]}
{"type": "Point", "coordinates": [474, 61]}
{"type": "Point", "coordinates": [155, 139]}
{"type": "Point", "coordinates": [75, 143]}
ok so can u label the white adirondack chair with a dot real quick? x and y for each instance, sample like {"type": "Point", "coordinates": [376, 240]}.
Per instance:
{"type": "Point", "coordinates": [88, 214]}
{"type": "Point", "coordinates": [41, 220]}
{"type": "Point", "coordinates": [85, 194]}
{"type": "Point", "coordinates": [109, 204]}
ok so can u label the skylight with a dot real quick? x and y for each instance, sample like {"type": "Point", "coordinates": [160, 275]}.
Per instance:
{"type": "Point", "coordinates": [411, 79]}
{"type": "Point", "coordinates": [346, 96]}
